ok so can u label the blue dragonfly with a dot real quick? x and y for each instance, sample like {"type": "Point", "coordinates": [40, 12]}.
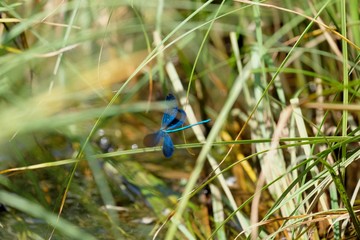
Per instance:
{"type": "Point", "coordinates": [172, 120]}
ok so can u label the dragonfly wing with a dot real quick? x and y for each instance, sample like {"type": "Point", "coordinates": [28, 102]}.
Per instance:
{"type": "Point", "coordinates": [171, 111]}
{"type": "Point", "coordinates": [168, 146]}
{"type": "Point", "coordinates": [178, 121]}
{"type": "Point", "coordinates": [153, 139]}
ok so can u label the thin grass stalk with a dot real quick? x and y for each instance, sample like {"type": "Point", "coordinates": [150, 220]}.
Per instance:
{"type": "Point", "coordinates": [233, 95]}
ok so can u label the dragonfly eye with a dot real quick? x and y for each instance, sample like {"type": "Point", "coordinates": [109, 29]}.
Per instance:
{"type": "Point", "coordinates": [170, 97]}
